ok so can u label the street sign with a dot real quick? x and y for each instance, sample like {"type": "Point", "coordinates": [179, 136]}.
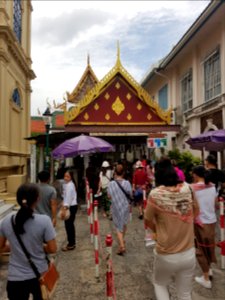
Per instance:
{"type": "Point", "coordinates": [156, 142]}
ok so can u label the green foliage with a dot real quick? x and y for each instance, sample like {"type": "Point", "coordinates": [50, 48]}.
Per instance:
{"type": "Point", "coordinates": [185, 160]}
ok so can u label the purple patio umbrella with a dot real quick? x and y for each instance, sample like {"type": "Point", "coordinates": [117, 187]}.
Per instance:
{"type": "Point", "coordinates": [210, 141]}
{"type": "Point", "coordinates": [83, 144]}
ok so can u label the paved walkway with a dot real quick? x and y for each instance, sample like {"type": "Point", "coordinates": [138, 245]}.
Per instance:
{"type": "Point", "coordinates": [132, 272]}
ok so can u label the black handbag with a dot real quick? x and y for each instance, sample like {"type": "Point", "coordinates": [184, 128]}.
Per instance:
{"type": "Point", "coordinates": [128, 196]}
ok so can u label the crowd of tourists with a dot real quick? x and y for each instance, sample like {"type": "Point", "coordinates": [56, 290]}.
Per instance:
{"type": "Point", "coordinates": [181, 216]}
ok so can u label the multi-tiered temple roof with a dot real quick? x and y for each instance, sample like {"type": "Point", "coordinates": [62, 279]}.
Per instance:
{"type": "Point", "coordinates": [115, 103]}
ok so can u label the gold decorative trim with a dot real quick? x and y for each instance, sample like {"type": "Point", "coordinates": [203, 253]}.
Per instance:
{"type": "Point", "coordinates": [120, 123]}
{"type": "Point", "coordinates": [107, 117]}
{"type": "Point", "coordinates": [77, 89]}
{"type": "Point", "coordinates": [97, 89]}
{"type": "Point", "coordinates": [107, 96]}
{"type": "Point", "coordinates": [86, 116]}
{"type": "Point", "coordinates": [149, 116]}
{"type": "Point", "coordinates": [117, 85]}
{"type": "Point", "coordinates": [139, 106]}
{"type": "Point", "coordinates": [129, 117]}
{"type": "Point", "coordinates": [118, 106]}
{"type": "Point", "coordinates": [119, 134]}
{"type": "Point", "coordinates": [128, 96]}
{"type": "Point", "coordinates": [96, 106]}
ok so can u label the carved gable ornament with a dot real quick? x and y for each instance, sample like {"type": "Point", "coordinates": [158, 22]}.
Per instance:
{"type": "Point", "coordinates": [117, 99]}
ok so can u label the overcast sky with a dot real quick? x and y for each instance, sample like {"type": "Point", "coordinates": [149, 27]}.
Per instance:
{"type": "Point", "coordinates": [64, 32]}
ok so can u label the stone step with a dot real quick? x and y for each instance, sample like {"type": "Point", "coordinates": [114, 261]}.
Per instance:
{"type": "Point", "coordinates": [11, 200]}
{"type": "Point", "coordinates": [5, 209]}
{"type": "Point", "coordinates": [2, 202]}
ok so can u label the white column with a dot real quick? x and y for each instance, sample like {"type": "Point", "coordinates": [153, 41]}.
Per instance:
{"type": "Point", "coordinates": [222, 57]}
{"type": "Point", "coordinates": [33, 156]}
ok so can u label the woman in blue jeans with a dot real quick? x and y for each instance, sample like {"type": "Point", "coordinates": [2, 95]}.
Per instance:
{"type": "Point", "coordinates": [70, 202]}
{"type": "Point", "coordinates": [38, 235]}
{"type": "Point", "coordinates": [170, 213]}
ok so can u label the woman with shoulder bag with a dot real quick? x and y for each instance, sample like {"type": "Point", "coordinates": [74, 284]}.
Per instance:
{"type": "Point", "coordinates": [117, 191]}
{"type": "Point", "coordinates": [38, 236]}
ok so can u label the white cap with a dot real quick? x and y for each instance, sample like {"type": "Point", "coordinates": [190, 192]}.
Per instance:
{"type": "Point", "coordinates": [138, 164]}
{"type": "Point", "coordinates": [105, 164]}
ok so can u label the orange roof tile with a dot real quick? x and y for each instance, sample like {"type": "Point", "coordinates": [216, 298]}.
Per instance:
{"type": "Point", "coordinates": [37, 125]}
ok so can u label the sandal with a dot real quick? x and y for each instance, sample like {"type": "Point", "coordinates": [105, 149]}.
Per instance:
{"type": "Point", "coordinates": [68, 248]}
{"type": "Point", "coordinates": [121, 251]}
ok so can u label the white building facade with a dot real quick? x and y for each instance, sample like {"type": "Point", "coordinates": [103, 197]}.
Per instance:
{"type": "Point", "coordinates": [191, 78]}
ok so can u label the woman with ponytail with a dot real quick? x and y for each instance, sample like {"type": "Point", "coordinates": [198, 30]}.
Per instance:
{"type": "Point", "coordinates": [205, 223]}
{"type": "Point", "coordinates": [38, 235]}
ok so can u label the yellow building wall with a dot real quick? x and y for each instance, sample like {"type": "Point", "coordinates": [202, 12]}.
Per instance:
{"type": "Point", "coordinates": [15, 73]}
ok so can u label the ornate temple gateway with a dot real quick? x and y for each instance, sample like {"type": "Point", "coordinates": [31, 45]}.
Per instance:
{"type": "Point", "coordinates": [116, 108]}
{"type": "Point", "coordinates": [116, 104]}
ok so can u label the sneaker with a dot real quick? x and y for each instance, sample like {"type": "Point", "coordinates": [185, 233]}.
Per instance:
{"type": "Point", "coordinates": [149, 243]}
{"type": "Point", "coordinates": [206, 283]}
{"type": "Point", "coordinates": [68, 248]}
{"type": "Point", "coordinates": [210, 274]}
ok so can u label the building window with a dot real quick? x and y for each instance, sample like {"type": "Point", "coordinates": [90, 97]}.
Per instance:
{"type": "Point", "coordinates": [163, 97]}
{"type": "Point", "coordinates": [187, 92]}
{"type": "Point", "coordinates": [16, 97]}
{"type": "Point", "coordinates": [212, 76]}
{"type": "Point", "coordinates": [17, 19]}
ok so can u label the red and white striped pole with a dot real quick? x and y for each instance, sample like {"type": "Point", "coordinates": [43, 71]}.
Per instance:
{"type": "Point", "coordinates": [109, 275]}
{"type": "Point", "coordinates": [222, 232]}
{"type": "Point", "coordinates": [130, 212]}
{"type": "Point", "coordinates": [145, 204]}
{"type": "Point", "coordinates": [148, 237]}
{"type": "Point", "coordinates": [87, 188]}
{"type": "Point", "coordinates": [91, 216]}
{"type": "Point", "coordinates": [96, 239]}
{"type": "Point", "coordinates": [88, 191]}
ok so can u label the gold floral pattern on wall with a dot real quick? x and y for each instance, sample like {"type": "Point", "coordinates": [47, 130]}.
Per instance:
{"type": "Point", "coordinates": [107, 117]}
{"type": "Point", "coordinates": [96, 107]}
{"type": "Point", "coordinates": [117, 85]}
{"type": "Point", "coordinates": [149, 116]}
{"type": "Point", "coordinates": [118, 106]}
{"type": "Point", "coordinates": [107, 96]}
{"type": "Point", "coordinates": [128, 96]}
{"type": "Point", "coordinates": [86, 116]}
{"type": "Point", "coordinates": [129, 117]}
{"type": "Point", "coordinates": [139, 106]}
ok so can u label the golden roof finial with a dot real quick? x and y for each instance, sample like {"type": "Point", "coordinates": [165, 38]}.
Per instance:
{"type": "Point", "coordinates": [88, 59]}
{"type": "Point", "coordinates": [118, 53]}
